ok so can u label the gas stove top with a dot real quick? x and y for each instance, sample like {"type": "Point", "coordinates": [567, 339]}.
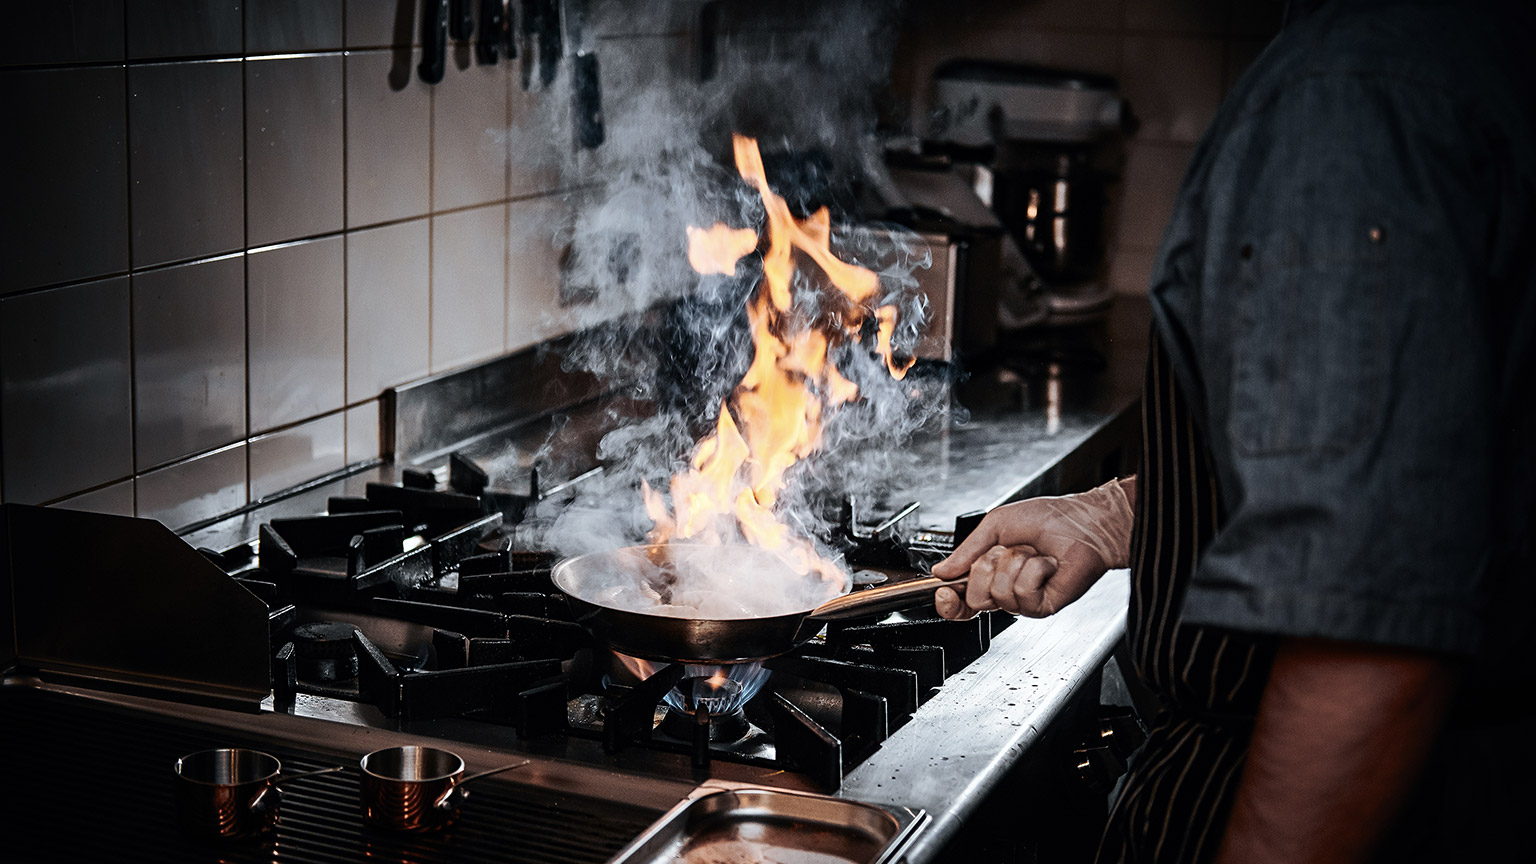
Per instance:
{"type": "Point", "coordinates": [411, 602]}
{"type": "Point", "coordinates": [431, 598]}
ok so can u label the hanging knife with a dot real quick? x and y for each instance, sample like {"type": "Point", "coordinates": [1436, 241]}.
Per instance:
{"type": "Point", "coordinates": [492, 22]}
{"type": "Point", "coordinates": [434, 41]}
{"type": "Point", "coordinates": [461, 22]}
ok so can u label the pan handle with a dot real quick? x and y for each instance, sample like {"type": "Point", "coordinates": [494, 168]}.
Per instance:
{"type": "Point", "coordinates": [876, 601]}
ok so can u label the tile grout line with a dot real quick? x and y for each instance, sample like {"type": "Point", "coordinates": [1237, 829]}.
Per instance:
{"type": "Point", "coordinates": [245, 244]}
{"type": "Point", "coordinates": [133, 376]}
{"type": "Point", "coordinates": [346, 249]}
{"type": "Point", "coordinates": [431, 212]}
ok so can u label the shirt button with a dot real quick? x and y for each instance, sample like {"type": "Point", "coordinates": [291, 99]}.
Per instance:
{"type": "Point", "coordinates": [1377, 236]}
{"type": "Point", "coordinates": [1246, 252]}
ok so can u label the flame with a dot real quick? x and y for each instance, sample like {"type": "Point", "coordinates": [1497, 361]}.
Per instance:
{"type": "Point", "coordinates": [718, 249]}
{"type": "Point", "coordinates": [641, 668]}
{"type": "Point", "coordinates": [721, 689]}
{"type": "Point", "coordinates": [776, 414]}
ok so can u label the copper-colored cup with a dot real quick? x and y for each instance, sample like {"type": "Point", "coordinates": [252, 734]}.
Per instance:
{"type": "Point", "coordinates": [227, 793]}
{"type": "Point", "coordinates": [414, 788]}
{"type": "Point", "coordinates": [411, 788]}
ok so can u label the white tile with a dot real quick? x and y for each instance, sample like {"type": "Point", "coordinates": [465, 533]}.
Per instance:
{"type": "Point", "coordinates": [294, 147]}
{"type": "Point", "coordinates": [469, 136]}
{"type": "Point", "coordinates": [297, 331]}
{"type": "Point", "coordinates": [469, 250]}
{"type": "Point", "coordinates": [64, 206]}
{"type": "Point", "coordinates": [382, 23]}
{"type": "Point", "coordinates": [537, 139]}
{"type": "Point", "coordinates": [279, 26]}
{"type": "Point", "coordinates": [182, 28]}
{"type": "Point", "coordinates": [389, 142]}
{"type": "Point", "coordinates": [363, 432]}
{"type": "Point", "coordinates": [297, 455]}
{"type": "Point", "coordinates": [538, 236]}
{"type": "Point", "coordinates": [388, 307]}
{"type": "Point", "coordinates": [187, 171]}
{"type": "Point", "coordinates": [1174, 85]}
{"type": "Point", "coordinates": [189, 359]}
{"type": "Point", "coordinates": [200, 488]}
{"type": "Point", "coordinates": [63, 31]}
{"type": "Point", "coordinates": [114, 500]}
{"type": "Point", "coordinates": [66, 419]}
{"type": "Point", "coordinates": [1153, 173]}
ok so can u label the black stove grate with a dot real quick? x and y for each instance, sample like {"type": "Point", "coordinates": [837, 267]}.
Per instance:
{"type": "Point", "coordinates": [90, 783]}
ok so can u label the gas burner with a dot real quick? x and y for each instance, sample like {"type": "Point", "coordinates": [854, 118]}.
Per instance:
{"type": "Point", "coordinates": [727, 729]}
{"type": "Point", "coordinates": [719, 690]}
{"type": "Point", "coordinates": [325, 651]}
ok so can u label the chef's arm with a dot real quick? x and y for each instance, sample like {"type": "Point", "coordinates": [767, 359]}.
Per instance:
{"type": "Point", "coordinates": [1342, 731]}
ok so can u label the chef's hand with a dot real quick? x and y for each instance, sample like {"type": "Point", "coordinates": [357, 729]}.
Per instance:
{"type": "Point", "coordinates": [1033, 557]}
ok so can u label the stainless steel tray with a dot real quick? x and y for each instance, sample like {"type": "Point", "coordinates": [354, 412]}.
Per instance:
{"type": "Point", "coordinates": [730, 825]}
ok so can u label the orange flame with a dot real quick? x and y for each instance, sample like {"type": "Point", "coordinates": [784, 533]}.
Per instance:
{"type": "Point", "coordinates": [774, 418]}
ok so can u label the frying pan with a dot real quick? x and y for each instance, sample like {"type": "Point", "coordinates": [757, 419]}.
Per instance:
{"type": "Point", "coordinates": [587, 582]}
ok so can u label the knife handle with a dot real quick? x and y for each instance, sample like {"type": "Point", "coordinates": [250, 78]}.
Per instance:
{"type": "Point", "coordinates": [434, 41]}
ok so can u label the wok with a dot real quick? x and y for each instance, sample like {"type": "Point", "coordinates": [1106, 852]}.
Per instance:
{"type": "Point", "coordinates": [588, 584]}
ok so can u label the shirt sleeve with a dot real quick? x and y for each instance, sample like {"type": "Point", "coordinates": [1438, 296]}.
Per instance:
{"type": "Point", "coordinates": [1346, 370]}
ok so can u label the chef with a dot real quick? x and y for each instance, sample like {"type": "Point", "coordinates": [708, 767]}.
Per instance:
{"type": "Point", "coordinates": [1330, 537]}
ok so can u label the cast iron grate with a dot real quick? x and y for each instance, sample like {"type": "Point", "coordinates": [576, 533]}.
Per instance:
{"type": "Point", "coordinates": [88, 783]}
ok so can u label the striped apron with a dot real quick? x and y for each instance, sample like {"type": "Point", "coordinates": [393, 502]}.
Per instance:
{"type": "Point", "coordinates": [1175, 799]}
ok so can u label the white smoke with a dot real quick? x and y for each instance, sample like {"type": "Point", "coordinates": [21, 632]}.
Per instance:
{"type": "Point", "coordinates": [802, 83]}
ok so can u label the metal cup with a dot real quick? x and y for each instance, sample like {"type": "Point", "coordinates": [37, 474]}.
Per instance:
{"type": "Point", "coordinates": [411, 788]}
{"type": "Point", "coordinates": [227, 793]}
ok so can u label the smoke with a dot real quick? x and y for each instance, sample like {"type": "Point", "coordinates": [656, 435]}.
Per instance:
{"type": "Point", "coordinates": [695, 581]}
{"type": "Point", "coordinates": [801, 79]}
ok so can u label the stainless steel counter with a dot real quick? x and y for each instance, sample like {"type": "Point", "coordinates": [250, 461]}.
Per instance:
{"type": "Point", "coordinates": [958, 746]}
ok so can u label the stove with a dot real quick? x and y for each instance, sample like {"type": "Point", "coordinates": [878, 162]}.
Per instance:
{"type": "Point", "coordinates": [410, 602]}
{"type": "Point", "coordinates": [431, 598]}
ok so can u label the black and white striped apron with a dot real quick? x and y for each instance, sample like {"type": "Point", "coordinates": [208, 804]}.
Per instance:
{"type": "Point", "coordinates": [1176, 798]}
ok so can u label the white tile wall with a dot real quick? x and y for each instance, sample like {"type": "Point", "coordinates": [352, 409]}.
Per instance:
{"type": "Point", "coordinates": [469, 278]}
{"type": "Point", "coordinates": [296, 326]}
{"type": "Point", "coordinates": [199, 488]}
{"type": "Point", "coordinates": [115, 500]}
{"type": "Point", "coordinates": [383, 228]}
{"type": "Point", "coordinates": [186, 148]}
{"type": "Point", "coordinates": [388, 307]}
{"type": "Point", "coordinates": [188, 359]}
{"type": "Point", "coordinates": [363, 424]}
{"type": "Point", "coordinates": [281, 215]}
{"type": "Point", "coordinates": [65, 387]}
{"type": "Point", "coordinates": [294, 147]}
{"type": "Point", "coordinates": [297, 454]}
{"type": "Point", "coordinates": [389, 141]}
{"type": "Point", "coordinates": [533, 275]}
{"type": "Point", "coordinates": [469, 136]}
{"type": "Point", "coordinates": [66, 178]}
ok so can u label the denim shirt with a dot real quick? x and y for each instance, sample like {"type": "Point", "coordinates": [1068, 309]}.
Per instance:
{"type": "Point", "coordinates": [1346, 290]}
